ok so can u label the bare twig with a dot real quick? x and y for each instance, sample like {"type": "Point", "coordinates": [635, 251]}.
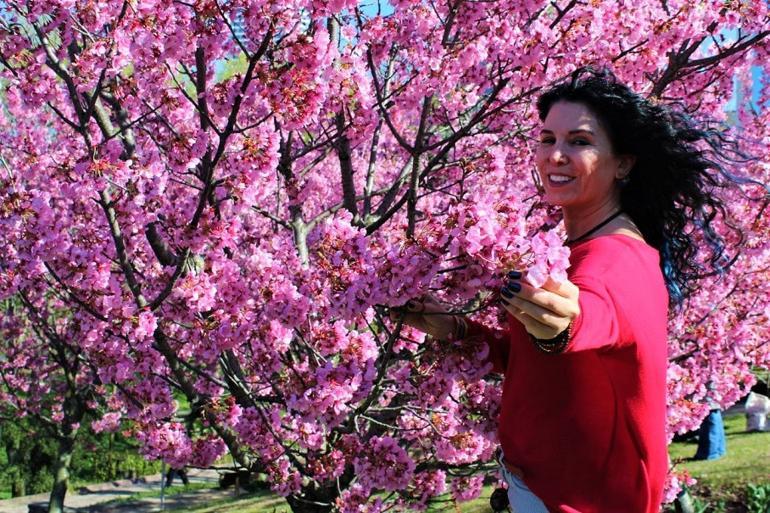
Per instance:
{"type": "Point", "coordinates": [88, 308]}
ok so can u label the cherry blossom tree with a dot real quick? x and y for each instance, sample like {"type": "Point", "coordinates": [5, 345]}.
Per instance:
{"type": "Point", "coordinates": [45, 378]}
{"type": "Point", "coordinates": [220, 200]}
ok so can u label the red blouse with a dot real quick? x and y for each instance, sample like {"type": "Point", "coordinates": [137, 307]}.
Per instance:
{"type": "Point", "coordinates": [587, 426]}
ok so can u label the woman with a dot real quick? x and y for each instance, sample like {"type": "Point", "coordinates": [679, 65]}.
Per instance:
{"type": "Point", "coordinates": [582, 426]}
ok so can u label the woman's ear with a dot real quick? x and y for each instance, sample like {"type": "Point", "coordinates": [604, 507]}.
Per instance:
{"type": "Point", "coordinates": [625, 164]}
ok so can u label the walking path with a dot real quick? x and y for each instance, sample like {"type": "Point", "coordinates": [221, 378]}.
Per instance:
{"type": "Point", "coordinates": [91, 498]}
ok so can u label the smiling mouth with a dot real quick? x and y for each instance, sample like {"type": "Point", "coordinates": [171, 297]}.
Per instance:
{"type": "Point", "coordinates": [556, 179]}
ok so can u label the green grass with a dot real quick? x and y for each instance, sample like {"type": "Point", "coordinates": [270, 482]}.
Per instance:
{"type": "Point", "coordinates": [725, 481]}
{"type": "Point", "coordinates": [720, 482]}
{"type": "Point", "coordinates": [258, 502]}
{"type": "Point", "coordinates": [169, 491]}
{"type": "Point", "coordinates": [265, 502]}
{"type": "Point", "coordinates": [479, 505]}
{"type": "Point", "coordinates": [747, 459]}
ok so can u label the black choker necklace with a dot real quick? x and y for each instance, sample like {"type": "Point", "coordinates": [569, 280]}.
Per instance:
{"type": "Point", "coordinates": [595, 228]}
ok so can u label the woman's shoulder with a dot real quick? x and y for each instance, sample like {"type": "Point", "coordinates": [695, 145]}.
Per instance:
{"type": "Point", "coordinates": [611, 251]}
{"type": "Point", "coordinates": [613, 242]}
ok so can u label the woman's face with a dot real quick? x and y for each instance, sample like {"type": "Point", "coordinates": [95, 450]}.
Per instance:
{"type": "Point", "coordinates": [575, 160]}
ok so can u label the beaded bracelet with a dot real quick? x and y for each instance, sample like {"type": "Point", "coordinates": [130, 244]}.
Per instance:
{"type": "Point", "coordinates": [556, 344]}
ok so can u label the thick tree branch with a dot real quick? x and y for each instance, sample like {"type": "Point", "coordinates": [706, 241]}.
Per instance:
{"type": "Point", "coordinates": [346, 167]}
{"type": "Point", "coordinates": [381, 105]}
{"type": "Point", "coordinates": [174, 363]}
{"type": "Point", "coordinates": [180, 265]}
{"type": "Point", "coordinates": [124, 122]}
{"type": "Point", "coordinates": [411, 204]}
{"type": "Point", "coordinates": [736, 48]}
{"type": "Point", "coordinates": [561, 12]}
{"type": "Point", "coordinates": [373, 152]}
{"type": "Point", "coordinates": [163, 253]}
{"type": "Point", "coordinates": [105, 202]}
{"type": "Point", "coordinates": [201, 68]}
{"type": "Point", "coordinates": [371, 228]}
{"type": "Point", "coordinates": [209, 163]}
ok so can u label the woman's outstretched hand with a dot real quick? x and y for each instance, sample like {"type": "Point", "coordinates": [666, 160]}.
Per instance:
{"type": "Point", "coordinates": [545, 312]}
{"type": "Point", "coordinates": [429, 316]}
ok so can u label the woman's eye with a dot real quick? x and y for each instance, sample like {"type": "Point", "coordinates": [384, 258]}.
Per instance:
{"type": "Point", "coordinates": [546, 140]}
{"type": "Point", "coordinates": [580, 142]}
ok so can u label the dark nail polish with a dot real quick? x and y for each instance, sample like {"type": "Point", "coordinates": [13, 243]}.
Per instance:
{"type": "Point", "coordinates": [505, 292]}
{"type": "Point", "coordinates": [514, 287]}
{"type": "Point", "coordinates": [514, 275]}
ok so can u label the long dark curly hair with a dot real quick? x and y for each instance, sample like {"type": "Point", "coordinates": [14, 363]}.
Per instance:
{"type": "Point", "coordinates": [671, 192]}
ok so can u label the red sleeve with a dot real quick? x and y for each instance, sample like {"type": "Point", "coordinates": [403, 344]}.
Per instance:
{"type": "Point", "coordinates": [598, 323]}
{"type": "Point", "coordinates": [498, 342]}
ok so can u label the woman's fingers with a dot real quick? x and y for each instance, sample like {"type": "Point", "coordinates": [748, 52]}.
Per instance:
{"type": "Point", "coordinates": [565, 288]}
{"type": "Point", "coordinates": [431, 306]}
{"type": "Point", "coordinates": [547, 302]}
{"type": "Point", "coordinates": [535, 311]}
{"type": "Point", "coordinates": [411, 319]}
{"type": "Point", "coordinates": [545, 312]}
{"type": "Point", "coordinates": [532, 325]}
{"type": "Point", "coordinates": [427, 315]}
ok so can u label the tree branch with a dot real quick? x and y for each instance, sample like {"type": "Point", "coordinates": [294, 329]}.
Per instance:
{"type": "Point", "coordinates": [371, 228]}
{"type": "Point", "coordinates": [120, 247]}
{"type": "Point", "coordinates": [346, 167]}
{"type": "Point", "coordinates": [272, 217]}
{"type": "Point", "coordinates": [158, 301]}
{"type": "Point", "coordinates": [88, 308]}
{"type": "Point", "coordinates": [380, 104]}
{"type": "Point", "coordinates": [562, 12]}
{"type": "Point", "coordinates": [209, 162]}
{"type": "Point", "coordinates": [411, 205]}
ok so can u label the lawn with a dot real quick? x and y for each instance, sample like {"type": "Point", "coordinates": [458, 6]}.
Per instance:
{"type": "Point", "coordinates": [721, 483]}
{"type": "Point", "coordinates": [725, 481]}
{"type": "Point", "coordinates": [721, 486]}
{"type": "Point", "coordinates": [262, 502]}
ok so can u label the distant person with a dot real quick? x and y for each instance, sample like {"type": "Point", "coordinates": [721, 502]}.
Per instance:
{"type": "Point", "coordinates": [712, 444]}
{"type": "Point", "coordinates": [173, 472]}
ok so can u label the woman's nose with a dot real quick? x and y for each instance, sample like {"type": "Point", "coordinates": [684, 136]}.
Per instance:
{"type": "Point", "coordinates": [557, 156]}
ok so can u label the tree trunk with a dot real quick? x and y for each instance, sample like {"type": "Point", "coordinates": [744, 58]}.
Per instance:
{"type": "Point", "coordinates": [18, 484]}
{"type": "Point", "coordinates": [18, 487]}
{"type": "Point", "coordinates": [61, 474]}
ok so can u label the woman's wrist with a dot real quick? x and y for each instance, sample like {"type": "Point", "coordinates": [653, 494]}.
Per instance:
{"type": "Point", "coordinates": [460, 327]}
{"type": "Point", "coordinates": [556, 344]}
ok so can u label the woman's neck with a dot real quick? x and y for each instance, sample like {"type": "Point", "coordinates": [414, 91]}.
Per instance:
{"type": "Point", "coordinates": [577, 222]}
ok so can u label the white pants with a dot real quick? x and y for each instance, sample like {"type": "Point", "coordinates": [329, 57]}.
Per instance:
{"type": "Point", "coordinates": [521, 498]}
